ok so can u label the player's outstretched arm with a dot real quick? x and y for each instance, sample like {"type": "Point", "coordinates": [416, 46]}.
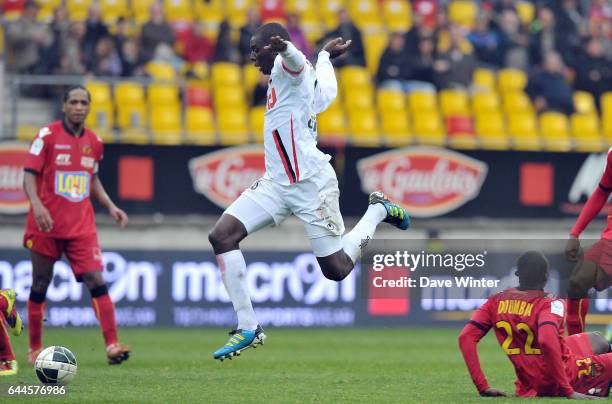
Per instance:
{"type": "Point", "coordinates": [43, 218]}
{"type": "Point", "coordinates": [468, 341]}
{"type": "Point", "coordinates": [293, 59]}
{"type": "Point", "coordinates": [98, 191]}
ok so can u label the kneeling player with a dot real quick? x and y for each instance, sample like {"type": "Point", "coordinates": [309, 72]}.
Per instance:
{"type": "Point", "coordinates": [529, 327]}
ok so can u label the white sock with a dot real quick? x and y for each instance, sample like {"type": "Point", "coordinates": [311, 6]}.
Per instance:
{"type": "Point", "coordinates": [353, 241]}
{"type": "Point", "coordinates": [233, 273]}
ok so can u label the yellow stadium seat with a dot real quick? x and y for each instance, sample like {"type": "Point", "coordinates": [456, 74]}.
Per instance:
{"type": "Point", "coordinates": [363, 128]}
{"type": "Point", "coordinates": [523, 131]}
{"type": "Point", "coordinates": [607, 127]}
{"type": "Point", "coordinates": [100, 92]}
{"type": "Point", "coordinates": [237, 12]}
{"type": "Point", "coordinates": [511, 80]}
{"type": "Point", "coordinates": [365, 14]}
{"type": "Point", "coordinates": [329, 12]}
{"type": "Point", "coordinates": [113, 9]}
{"type": "Point", "coordinates": [232, 126]}
{"type": "Point", "coordinates": [178, 10]}
{"type": "Point", "coordinates": [483, 79]}
{"type": "Point", "coordinates": [141, 10]}
{"type": "Point", "coordinates": [428, 128]}
{"type": "Point", "coordinates": [358, 98]}
{"type": "Point", "coordinates": [132, 116]}
{"type": "Point", "coordinates": [463, 12]}
{"type": "Point", "coordinates": [454, 102]}
{"type": "Point", "coordinates": [397, 15]}
{"type": "Point", "coordinates": [46, 8]}
{"type": "Point", "coordinates": [585, 131]}
{"type": "Point", "coordinates": [256, 119]}
{"type": "Point", "coordinates": [100, 117]}
{"type": "Point", "coordinates": [301, 7]}
{"type": "Point", "coordinates": [26, 132]}
{"type": "Point", "coordinates": [331, 126]}
{"type": "Point", "coordinates": [230, 96]}
{"type": "Point", "coordinates": [555, 131]}
{"type": "Point", "coordinates": [390, 100]}
{"type": "Point", "coordinates": [526, 11]}
{"type": "Point", "coordinates": [516, 101]}
{"type": "Point", "coordinates": [251, 76]}
{"type": "Point", "coordinates": [422, 101]}
{"type": "Point", "coordinates": [491, 129]}
{"type": "Point", "coordinates": [606, 103]}
{"type": "Point", "coordinates": [78, 9]}
{"type": "Point", "coordinates": [129, 93]}
{"type": "Point", "coordinates": [161, 71]}
{"type": "Point", "coordinates": [225, 74]}
{"type": "Point", "coordinates": [160, 95]}
{"type": "Point", "coordinates": [166, 125]}
{"type": "Point", "coordinates": [134, 136]}
{"type": "Point", "coordinates": [312, 27]}
{"type": "Point", "coordinates": [485, 102]}
{"type": "Point", "coordinates": [355, 76]}
{"type": "Point", "coordinates": [374, 44]}
{"type": "Point", "coordinates": [584, 103]}
{"type": "Point", "coordinates": [199, 126]}
{"type": "Point", "coordinates": [395, 128]}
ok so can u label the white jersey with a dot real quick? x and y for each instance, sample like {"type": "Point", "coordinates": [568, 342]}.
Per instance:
{"type": "Point", "coordinates": [290, 138]}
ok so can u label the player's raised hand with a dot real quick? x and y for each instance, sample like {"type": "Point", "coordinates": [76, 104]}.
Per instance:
{"type": "Point", "coordinates": [491, 392]}
{"type": "Point", "coordinates": [118, 216]}
{"type": "Point", "coordinates": [572, 249]}
{"type": "Point", "coordinates": [43, 218]}
{"type": "Point", "coordinates": [579, 396]}
{"type": "Point", "coordinates": [277, 44]}
{"type": "Point", "coordinates": [336, 47]}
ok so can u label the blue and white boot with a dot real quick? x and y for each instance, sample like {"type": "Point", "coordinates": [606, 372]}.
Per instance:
{"type": "Point", "coordinates": [396, 215]}
{"type": "Point", "coordinates": [239, 341]}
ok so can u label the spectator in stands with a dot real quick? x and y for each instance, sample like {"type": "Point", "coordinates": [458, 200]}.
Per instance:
{"type": "Point", "coordinates": [165, 54]}
{"type": "Point", "coordinates": [547, 87]}
{"type": "Point", "coordinates": [60, 26]}
{"type": "Point", "coordinates": [246, 32]}
{"type": "Point", "coordinates": [455, 61]}
{"type": "Point", "coordinates": [26, 39]}
{"type": "Point", "coordinates": [260, 92]}
{"type": "Point", "coordinates": [545, 37]}
{"type": "Point", "coordinates": [393, 65]}
{"type": "Point", "coordinates": [224, 49]}
{"type": "Point", "coordinates": [486, 42]}
{"type": "Point", "coordinates": [129, 58]}
{"type": "Point", "coordinates": [593, 70]}
{"type": "Point", "coordinates": [198, 48]}
{"type": "Point", "coordinates": [421, 73]}
{"type": "Point", "coordinates": [155, 32]}
{"type": "Point", "coordinates": [348, 31]}
{"type": "Point", "coordinates": [96, 30]}
{"type": "Point", "coordinates": [106, 60]}
{"type": "Point", "coordinates": [514, 40]}
{"type": "Point", "coordinates": [297, 36]}
{"type": "Point", "coordinates": [72, 60]}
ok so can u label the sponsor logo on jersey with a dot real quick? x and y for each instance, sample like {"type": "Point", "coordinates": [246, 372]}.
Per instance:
{"type": "Point", "coordinates": [427, 181]}
{"type": "Point", "coordinates": [221, 176]}
{"type": "Point", "coordinates": [62, 146]}
{"type": "Point", "coordinates": [13, 199]}
{"type": "Point", "coordinates": [62, 159]}
{"type": "Point", "coordinates": [86, 149]}
{"type": "Point", "coordinates": [72, 185]}
{"type": "Point", "coordinates": [37, 146]}
{"type": "Point", "coordinates": [87, 162]}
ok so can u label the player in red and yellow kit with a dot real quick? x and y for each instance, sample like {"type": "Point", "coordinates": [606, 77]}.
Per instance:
{"type": "Point", "coordinates": [60, 174]}
{"type": "Point", "coordinates": [528, 325]}
{"type": "Point", "coordinates": [594, 269]}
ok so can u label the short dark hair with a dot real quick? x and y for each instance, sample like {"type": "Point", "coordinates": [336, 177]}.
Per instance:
{"type": "Point", "coordinates": [66, 95]}
{"type": "Point", "coordinates": [267, 31]}
{"type": "Point", "coordinates": [532, 268]}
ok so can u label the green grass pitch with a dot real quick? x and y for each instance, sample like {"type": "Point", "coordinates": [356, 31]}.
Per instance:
{"type": "Point", "coordinates": [420, 365]}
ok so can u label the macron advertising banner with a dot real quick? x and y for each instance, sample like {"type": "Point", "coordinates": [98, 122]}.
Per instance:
{"type": "Point", "coordinates": [398, 283]}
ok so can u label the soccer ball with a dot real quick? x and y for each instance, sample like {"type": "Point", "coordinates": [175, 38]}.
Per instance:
{"type": "Point", "coordinates": [56, 365]}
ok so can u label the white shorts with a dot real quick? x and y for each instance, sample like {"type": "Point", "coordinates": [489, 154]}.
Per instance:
{"type": "Point", "coordinates": [315, 201]}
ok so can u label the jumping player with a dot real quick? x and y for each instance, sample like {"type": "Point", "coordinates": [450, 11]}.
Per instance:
{"type": "Point", "coordinates": [529, 327]}
{"type": "Point", "coordinates": [594, 268]}
{"type": "Point", "coordinates": [8, 363]}
{"type": "Point", "coordinates": [299, 180]}
{"type": "Point", "coordinates": [60, 175]}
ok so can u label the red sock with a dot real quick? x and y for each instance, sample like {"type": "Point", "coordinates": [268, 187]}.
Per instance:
{"type": "Point", "coordinates": [577, 310]}
{"type": "Point", "coordinates": [6, 353]}
{"type": "Point", "coordinates": [36, 312]}
{"type": "Point", "coordinates": [105, 313]}
{"type": "Point", "coordinates": [3, 304]}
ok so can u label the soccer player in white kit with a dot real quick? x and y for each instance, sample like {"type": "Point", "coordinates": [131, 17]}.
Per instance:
{"type": "Point", "coordinates": [299, 180]}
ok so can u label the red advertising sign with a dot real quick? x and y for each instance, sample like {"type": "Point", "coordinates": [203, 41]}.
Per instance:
{"type": "Point", "coordinates": [13, 199]}
{"type": "Point", "coordinates": [427, 181]}
{"type": "Point", "coordinates": [221, 176]}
